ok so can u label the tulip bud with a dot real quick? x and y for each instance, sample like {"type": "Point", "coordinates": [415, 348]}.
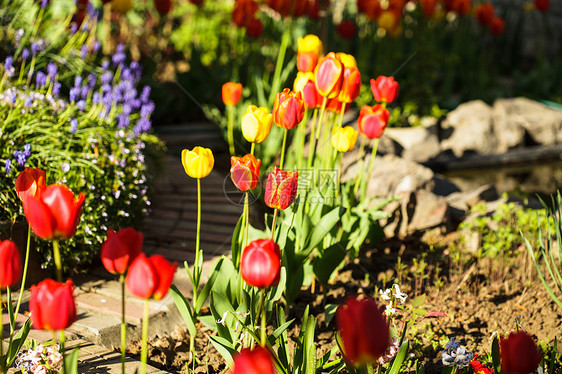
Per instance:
{"type": "Point", "coordinates": [385, 89]}
{"type": "Point", "coordinates": [260, 264]}
{"type": "Point", "coordinates": [150, 277]}
{"type": "Point", "coordinates": [244, 11]}
{"type": "Point", "coordinates": [363, 329]}
{"type": "Point", "coordinates": [351, 85]}
{"type": "Point", "coordinates": [256, 361]}
{"type": "Point", "coordinates": [52, 305]}
{"type": "Point", "coordinates": [244, 172]}
{"type": "Point", "coordinates": [254, 28]}
{"type": "Point", "coordinates": [256, 124]}
{"type": "Point", "coordinates": [53, 214]}
{"type": "Point", "coordinates": [372, 121]}
{"type": "Point", "coordinates": [197, 163]}
{"type": "Point", "coordinates": [497, 26]}
{"type": "Point", "coordinates": [163, 6]}
{"type": "Point", "coordinates": [288, 109]}
{"type": "Point", "coordinates": [519, 354]}
{"type": "Point", "coordinates": [328, 76]}
{"type": "Point", "coordinates": [344, 138]}
{"type": "Point", "coordinates": [231, 93]}
{"type": "Point", "coordinates": [10, 264]}
{"type": "Point", "coordinates": [484, 13]}
{"type": "Point", "coordinates": [542, 5]}
{"type": "Point", "coordinates": [30, 182]}
{"type": "Point", "coordinates": [281, 188]}
{"type": "Point", "coordinates": [346, 29]}
{"type": "Point", "coordinates": [120, 249]}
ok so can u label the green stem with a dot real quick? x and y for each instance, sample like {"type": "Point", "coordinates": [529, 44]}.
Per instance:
{"type": "Point", "coordinates": [1, 332]}
{"type": "Point", "coordinates": [123, 324]}
{"type": "Point", "coordinates": [273, 223]}
{"type": "Point", "coordinates": [196, 269]}
{"type": "Point", "coordinates": [144, 347]}
{"type": "Point", "coordinates": [360, 155]}
{"type": "Point", "coordinates": [371, 163]}
{"type": "Point", "coordinates": [283, 149]}
{"type": "Point", "coordinates": [230, 111]}
{"type": "Point", "coordinates": [263, 325]}
{"type": "Point", "coordinates": [276, 84]}
{"type": "Point", "coordinates": [62, 350]}
{"type": "Point", "coordinates": [370, 369]}
{"type": "Point", "coordinates": [24, 277]}
{"type": "Point", "coordinates": [302, 134]}
{"type": "Point", "coordinates": [247, 211]}
{"type": "Point", "coordinates": [320, 119]}
{"type": "Point", "coordinates": [312, 140]}
{"type": "Point", "coordinates": [253, 148]}
{"type": "Point", "coordinates": [58, 263]}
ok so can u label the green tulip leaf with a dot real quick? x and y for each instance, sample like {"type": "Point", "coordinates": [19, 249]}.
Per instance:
{"type": "Point", "coordinates": [399, 358]}
{"type": "Point", "coordinates": [184, 308]}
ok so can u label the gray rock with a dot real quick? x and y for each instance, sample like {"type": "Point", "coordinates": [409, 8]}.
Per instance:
{"type": "Point", "coordinates": [508, 129]}
{"type": "Point", "coordinates": [543, 124]}
{"type": "Point", "coordinates": [471, 130]}
{"type": "Point", "coordinates": [416, 143]}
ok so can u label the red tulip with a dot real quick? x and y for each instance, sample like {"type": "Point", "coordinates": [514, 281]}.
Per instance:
{"type": "Point", "coordinates": [484, 13]}
{"type": "Point", "coordinates": [10, 264]}
{"type": "Point", "coordinates": [254, 28]}
{"type": "Point", "coordinates": [150, 277]}
{"type": "Point", "coordinates": [429, 7]}
{"type": "Point", "coordinates": [281, 188]}
{"type": "Point", "coordinates": [328, 76]}
{"type": "Point", "coordinates": [52, 305]}
{"type": "Point", "coordinates": [313, 10]}
{"type": "Point", "coordinates": [372, 8]}
{"type": "Point", "coordinates": [244, 11]}
{"type": "Point", "coordinates": [497, 26]}
{"type": "Point", "coordinates": [542, 5]}
{"type": "Point", "coordinates": [385, 89]}
{"type": "Point", "coordinates": [30, 182]}
{"type": "Point", "coordinates": [363, 329]}
{"type": "Point", "coordinates": [120, 249]}
{"type": "Point", "coordinates": [260, 264]}
{"type": "Point", "coordinates": [196, 2]}
{"type": "Point", "coordinates": [245, 171]}
{"type": "Point", "coordinates": [334, 105]}
{"type": "Point", "coordinates": [54, 214]}
{"type": "Point", "coordinates": [231, 93]}
{"type": "Point", "coordinates": [306, 61]}
{"type": "Point", "coordinates": [163, 6]}
{"type": "Point", "coordinates": [351, 85]}
{"type": "Point", "coordinates": [519, 354]}
{"type": "Point", "coordinates": [372, 121]}
{"type": "Point", "coordinates": [288, 109]}
{"type": "Point", "coordinates": [346, 29]}
{"type": "Point", "coordinates": [256, 361]}
{"type": "Point", "coordinates": [311, 96]}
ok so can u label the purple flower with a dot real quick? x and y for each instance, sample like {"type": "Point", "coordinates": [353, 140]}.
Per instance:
{"type": "Point", "coordinates": [77, 81]}
{"type": "Point", "coordinates": [126, 74]}
{"type": "Point", "coordinates": [27, 150]}
{"type": "Point", "coordinates": [96, 98]}
{"type": "Point", "coordinates": [127, 109]}
{"type": "Point", "coordinates": [96, 47]}
{"type": "Point", "coordinates": [8, 166]}
{"type": "Point", "coordinates": [81, 105]}
{"type": "Point", "coordinates": [25, 54]}
{"type": "Point", "coordinates": [56, 89]}
{"type": "Point", "coordinates": [44, 3]}
{"type": "Point", "coordinates": [105, 65]}
{"type": "Point", "coordinates": [119, 57]}
{"type": "Point", "coordinates": [105, 88]}
{"type": "Point", "coordinates": [73, 94]}
{"type": "Point", "coordinates": [52, 70]}
{"type": "Point", "coordinates": [28, 101]}
{"type": "Point", "coordinates": [147, 109]}
{"type": "Point", "coordinates": [84, 92]}
{"type": "Point", "coordinates": [37, 47]}
{"type": "Point", "coordinates": [145, 94]}
{"type": "Point", "coordinates": [84, 51]}
{"type": "Point", "coordinates": [130, 94]}
{"type": "Point", "coordinates": [73, 28]}
{"type": "Point", "coordinates": [8, 63]}
{"type": "Point", "coordinates": [122, 121]}
{"type": "Point", "coordinates": [73, 125]}
{"type": "Point", "coordinates": [106, 77]}
{"type": "Point", "coordinates": [40, 79]}
{"type": "Point", "coordinates": [92, 80]}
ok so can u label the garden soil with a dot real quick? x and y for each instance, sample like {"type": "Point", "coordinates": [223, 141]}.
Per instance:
{"type": "Point", "coordinates": [479, 298]}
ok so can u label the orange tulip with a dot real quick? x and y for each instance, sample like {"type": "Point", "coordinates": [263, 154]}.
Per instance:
{"type": "Point", "coordinates": [497, 26]}
{"type": "Point", "coordinates": [484, 13]}
{"type": "Point", "coordinates": [385, 89]}
{"type": "Point", "coordinates": [351, 85]}
{"type": "Point", "coordinates": [372, 121]}
{"type": "Point", "coordinates": [281, 188]}
{"type": "Point", "coordinates": [245, 171]}
{"type": "Point", "coordinates": [30, 182]}
{"type": "Point", "coordinates": [231, 93]}
{"type": "Point", "coordinates": [328, 76]}
{"type": "Point", "coordinates": [288, 109]}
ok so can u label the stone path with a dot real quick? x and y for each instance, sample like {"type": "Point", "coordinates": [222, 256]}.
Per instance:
{"type": "Point", "coordinates": [170, 230]}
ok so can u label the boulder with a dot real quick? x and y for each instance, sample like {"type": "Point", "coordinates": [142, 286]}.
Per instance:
{"type": "Point", "coordinates": [469, 128]}
{"type": "Point", "coordinates": [415, 143]}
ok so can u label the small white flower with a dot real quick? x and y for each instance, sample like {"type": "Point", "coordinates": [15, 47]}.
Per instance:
{"type": "Point", "coordinates": [385, 295]}
{"type": "Point", "coordinates": [65, 167]}
{"type": "Point", "coordinates": [389, 311]}
{"type": "Point", "coordinates": [399, 294]}
{"type": "Point", "coordinates": [222, 321]}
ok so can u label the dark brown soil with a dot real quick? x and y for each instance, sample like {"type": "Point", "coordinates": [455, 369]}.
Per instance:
{"type": "Point", "coordinates": [479, 297]}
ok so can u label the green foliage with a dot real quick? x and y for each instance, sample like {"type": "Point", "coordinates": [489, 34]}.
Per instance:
{"type": "Point", "coordinates": [500, 230]}
{"type": "Point", "coordinates": [78, 142]}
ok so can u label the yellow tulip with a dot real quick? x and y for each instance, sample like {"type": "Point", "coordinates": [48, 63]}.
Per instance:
{"type": "Point", "coordinates": [301, 80]}
{"type": "Point", "coordinates": [310, 43]}
{"type": "Point", "coordinates": [256, 124]}
{"type": "Point", "coordinates": [197, 163]}
{"type": "Point", "coordinates": [344, 138]}
{"type": "Point", "coordinates": [348, 61]}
